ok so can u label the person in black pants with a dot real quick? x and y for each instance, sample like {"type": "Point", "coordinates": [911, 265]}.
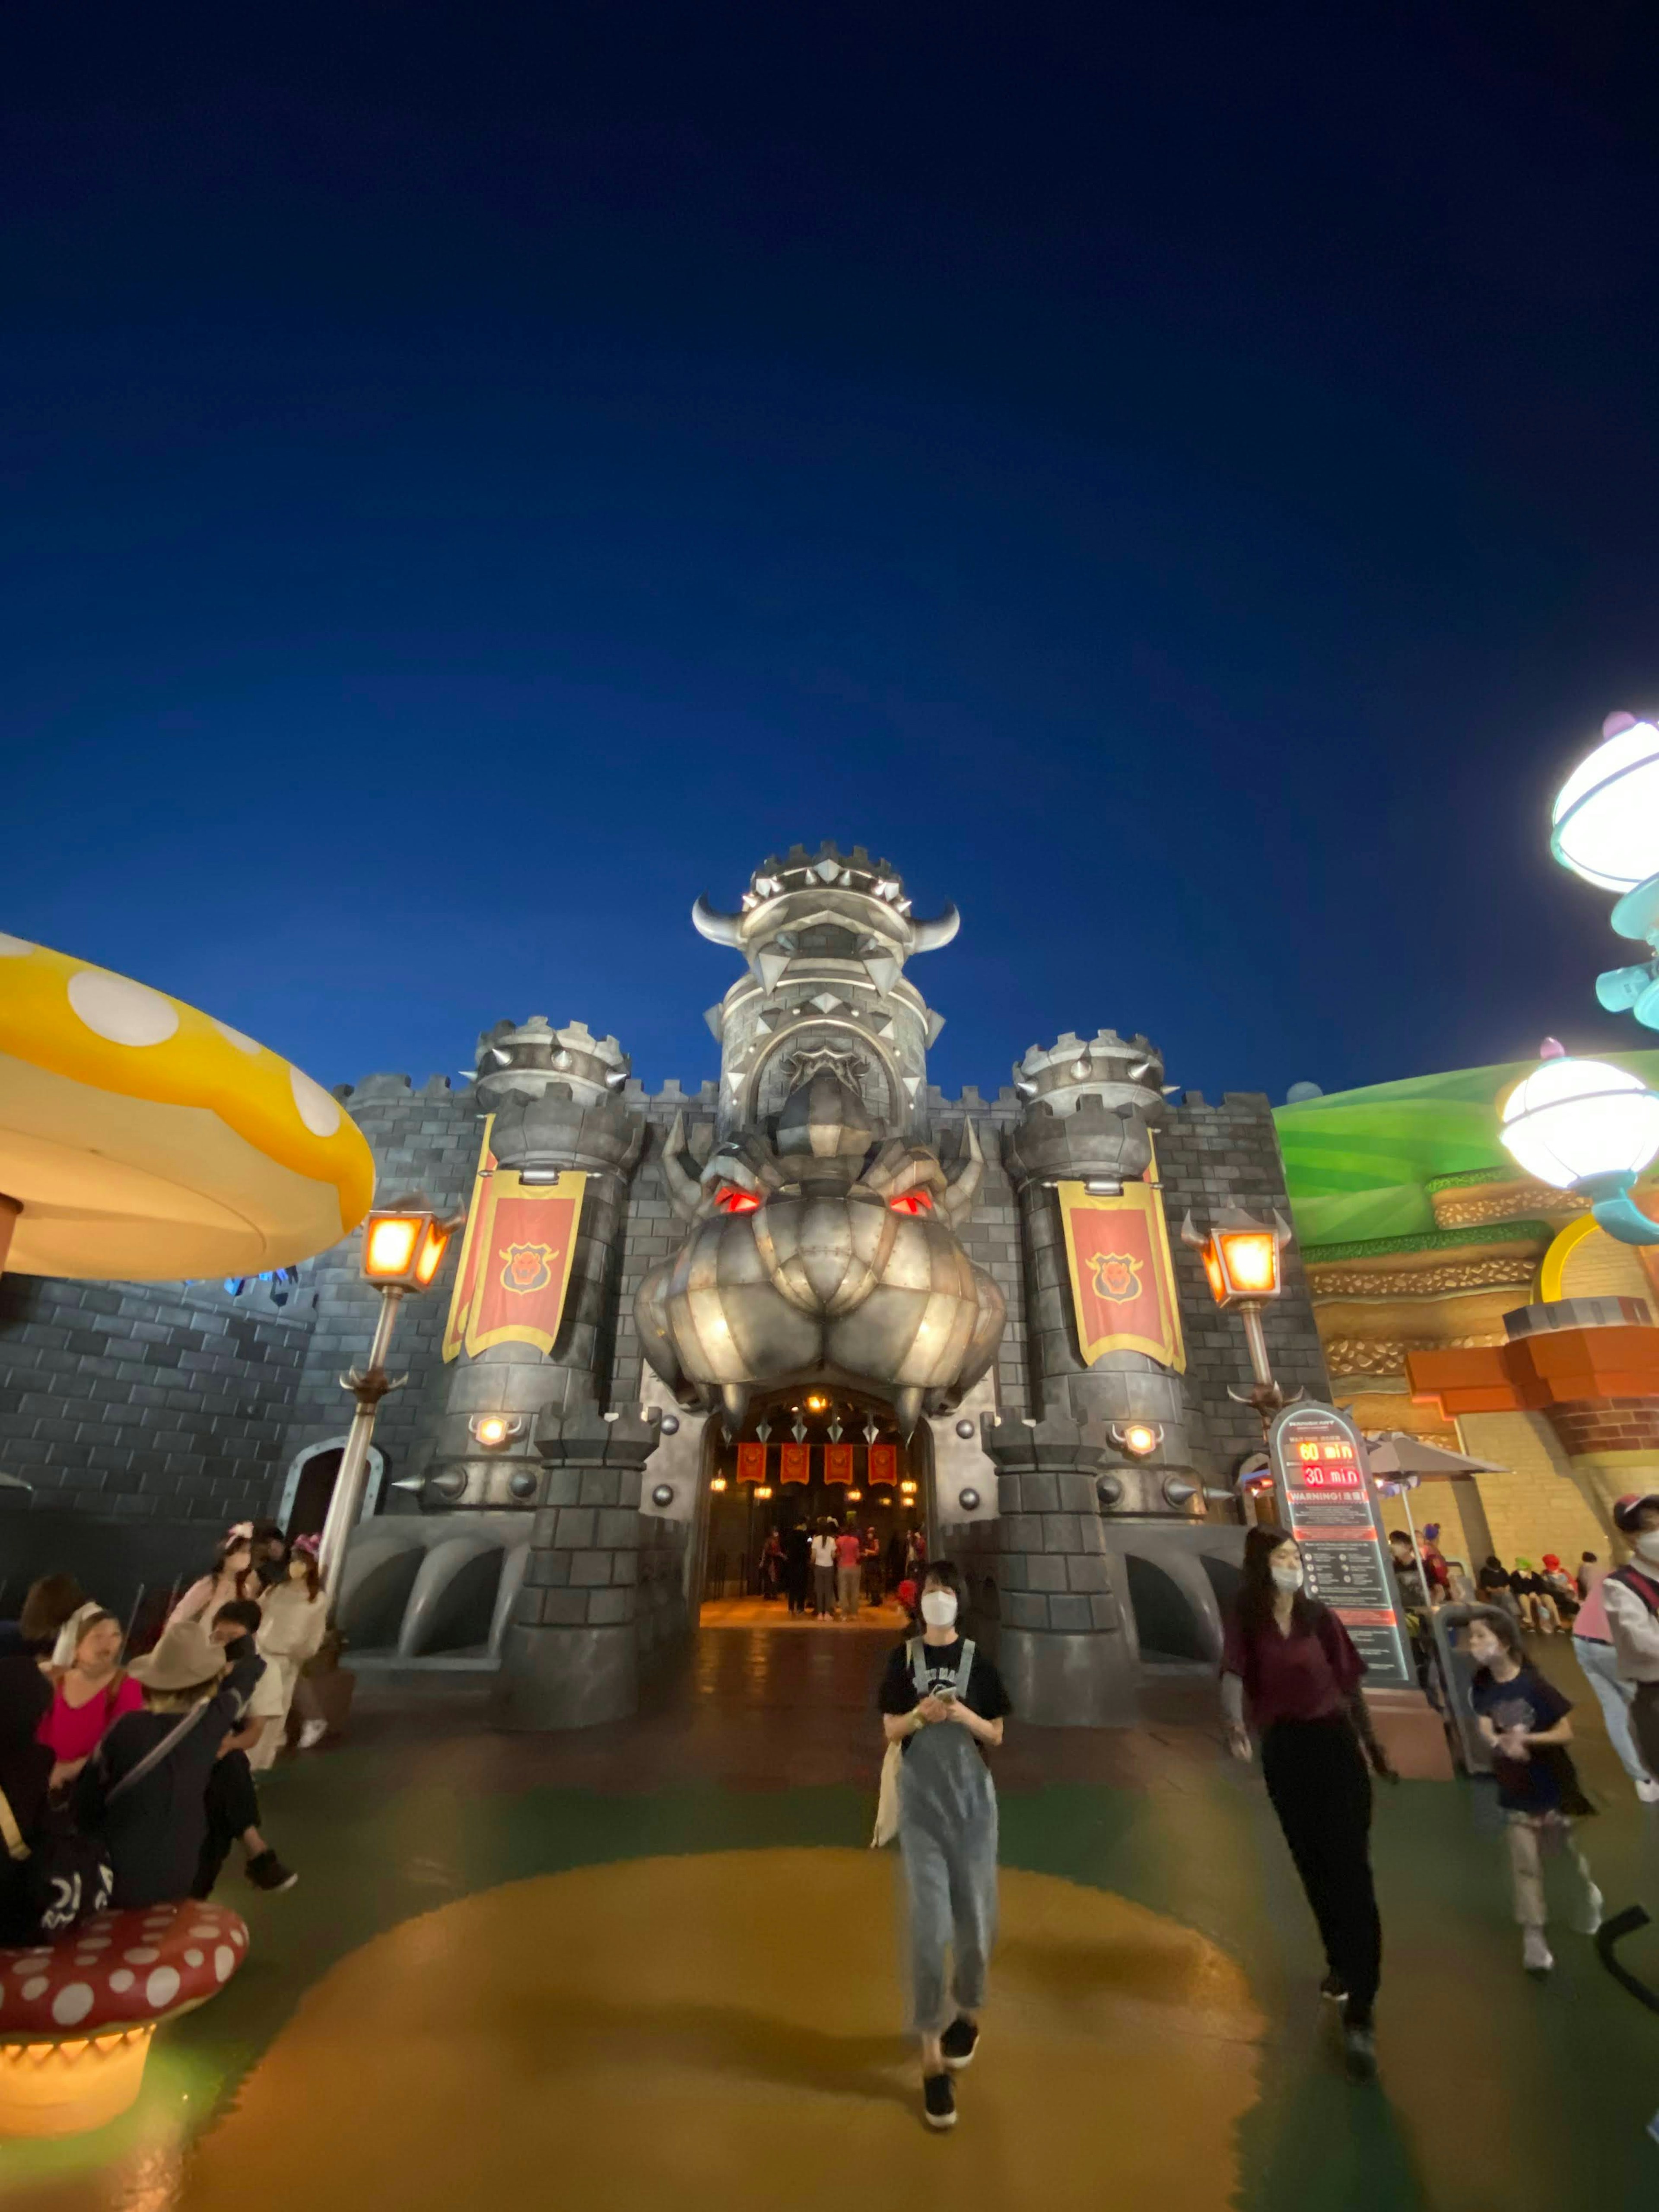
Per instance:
{"type": "Point", "coordinates": [796, 1567]}
{"type": "Point", "coordinates": [1290, 1665]}
{"type": "Point", "coordinates": [232, 1800]}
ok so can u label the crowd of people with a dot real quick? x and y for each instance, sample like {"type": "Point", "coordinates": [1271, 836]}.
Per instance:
{"type": "Point", "coordinates": [835, 1572]}
{"type": "Point", "coordinates": [127, 1783]}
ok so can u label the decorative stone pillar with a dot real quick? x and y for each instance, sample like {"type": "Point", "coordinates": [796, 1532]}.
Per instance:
{"type": "Point", "coordinates": [1090, 1107]}
{"type": "Point", "coordinates": [570, 1656]}
{"type": "Point", "coordinates": [555, 1096]}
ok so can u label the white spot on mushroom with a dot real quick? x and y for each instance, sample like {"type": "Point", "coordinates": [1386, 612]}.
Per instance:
{"type": "Point", "coordinates": [126, 1012]}
{"type": "Point", "coordinates": [242, 1042]}
{"type": "Point", "coordinates": [72, 2003]}
{"type": "Point", "coordinates": [161, 1988]}
{"type": "Point", "coordinates": [37, 1988]}
{"type": "Point", "coordinates": [121, 1982]}
{"type": "Point", "coordinates": [320, 1113]}
{"type": "Point", "coordinates": [192, 1958]}
{"type": "Point", "coordinates": [94, 1943]}
{"type": "Point", "coordinates": [141, 1958]}
{"type": "Point", "coordinates": [13, 948]}
{"type": "Point", "coordinates": [224, 1958]}
{"type": "Point", "coordinates": [205, 1930]}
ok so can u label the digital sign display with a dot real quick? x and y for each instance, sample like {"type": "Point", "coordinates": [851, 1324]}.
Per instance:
{"type": "Point", "coordinates": [1326, 1502]}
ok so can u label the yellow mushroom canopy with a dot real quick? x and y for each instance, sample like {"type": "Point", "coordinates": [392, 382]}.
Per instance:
{"type": "Point", "coordinates": [146, 1142]}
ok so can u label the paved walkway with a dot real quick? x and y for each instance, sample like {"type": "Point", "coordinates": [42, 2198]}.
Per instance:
{"type": "Point", "coordinates": [657, 1965]}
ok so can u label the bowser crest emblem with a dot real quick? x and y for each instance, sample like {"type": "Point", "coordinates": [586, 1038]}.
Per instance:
{"type": "Point", "coordinates": [527, 1267]}
{"type": "Point", "coordinates": [1117, 1277]}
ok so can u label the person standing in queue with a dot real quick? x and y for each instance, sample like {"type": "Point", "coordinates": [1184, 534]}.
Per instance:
{"type": "Point", "coordinates": [823, 1574]}
{"type": "Point", "coordinates": [943, 1703]}
{"type": "Point", "coordinates": [796, 1565]}
{"type": "Point", "coordinates": [1289, 1665]}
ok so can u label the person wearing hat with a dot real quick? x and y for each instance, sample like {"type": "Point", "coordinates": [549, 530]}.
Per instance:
{"type": "Point", "coordinates": [154, 1826]}
{"type": "Point", "coordinates": [1631, 1596]}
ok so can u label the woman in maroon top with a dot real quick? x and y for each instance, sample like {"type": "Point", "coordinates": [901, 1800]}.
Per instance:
{"type": "Point", "coordinates": [1289, 1666]}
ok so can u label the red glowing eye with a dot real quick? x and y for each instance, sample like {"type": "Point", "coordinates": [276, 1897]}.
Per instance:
{"type": "Point", "coordinates": [912, 1201]}
{"type": "Point", "coordinates": [731, 1199]}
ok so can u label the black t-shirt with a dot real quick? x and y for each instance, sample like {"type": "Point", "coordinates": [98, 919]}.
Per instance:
{"type": "Point", "coordinates": [1538, 1782]}
{"type": "Point", "coordinates": [985, 1692]}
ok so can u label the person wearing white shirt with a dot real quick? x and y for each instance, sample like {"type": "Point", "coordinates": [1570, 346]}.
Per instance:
{"type": "Point", "coordinates": [823, 1576]}
{"type": "Point", "coordinates": [1631, 1596]}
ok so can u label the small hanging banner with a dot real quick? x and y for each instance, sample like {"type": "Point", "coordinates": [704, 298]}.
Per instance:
{"type": "Point", "coordinates": [838, 1463]}
{"type": "Point", "coordinates": [884, 1463]}
{"type": "Point", "coordinates": [751, 1462]}
{"type": "Point", "coordinates": [1123, 1292]}
{"type": "Point", "coordinates": [793, 1463]}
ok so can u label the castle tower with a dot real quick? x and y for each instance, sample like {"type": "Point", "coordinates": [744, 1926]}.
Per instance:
{"type": "Point", "coordinates": [826, 936]}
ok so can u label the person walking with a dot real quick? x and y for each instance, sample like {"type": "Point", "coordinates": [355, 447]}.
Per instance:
{"type": "Point", "coordinates": [152, 1827]}
{"type": "Point", "coordinates": [1527, 1722]}
{"type": "Point", "coordinates": [293, 1621]}
{"type": "Point", "coordinates": [771, 1564]}
{"type": "Point", "coordinates": [798, 1566]}
{"type": "Point", "coordinates": [871, 1559]}
{"type": "Point", "coordinates": [823, 1574]}
{"type": "Point", "coordinates": [944, 1704]}
{"type": "Point", "coordinates": [232, 1799]}
{"type": "Point", "coordinates": [1592, 1647]}
{"type": "Point", "coordinates": [849, 1572]}
{"type": "Point", "coordinates": [1631, 1597]}
{"type": "Point", "coordinates": [1289, 1665]}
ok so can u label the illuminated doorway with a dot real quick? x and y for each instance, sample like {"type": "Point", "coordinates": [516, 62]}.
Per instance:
{"type": "Point", "coordinates": [744, 1582]}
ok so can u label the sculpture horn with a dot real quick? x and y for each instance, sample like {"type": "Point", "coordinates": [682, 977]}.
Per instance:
{"type": "Point", "coordinates": [962, 1185]}
{"type": "Point", "coordinates": [928, 936]}
{"type": "Point", "coordinates": [684, 1191]}
{"type": "Point", "coordinates": [719, 928]}
{"type": "Point", "coordinates": [734, 1401]}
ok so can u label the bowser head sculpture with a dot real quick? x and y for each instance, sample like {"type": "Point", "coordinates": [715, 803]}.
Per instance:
{"type": "Point", "coordinates": [822, 1256]}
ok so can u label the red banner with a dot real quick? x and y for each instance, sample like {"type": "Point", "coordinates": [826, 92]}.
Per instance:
{"type": "Point", "coordinates": [884, 1463]}
{"type": "Point", "coordinates": [1123, 1292]}
{"type": "Point", "coordinates": [516, 1258]}
{"type": "Point", "coordinates": [794, 1464]}
{"type": "Point", "coordinates": [751, 1462]}
{"type": "Point", "coordinates": [838, 1463]}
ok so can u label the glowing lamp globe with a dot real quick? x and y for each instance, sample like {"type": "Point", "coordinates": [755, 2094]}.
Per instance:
{"type": "Point", "coordinates": [1579, 1121]}
{"type": "Point", "coordinates": [1605, 824]}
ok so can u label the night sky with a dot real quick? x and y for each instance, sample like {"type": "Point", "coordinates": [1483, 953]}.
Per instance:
{"type": "Point", "coordinates": [1180, 482]}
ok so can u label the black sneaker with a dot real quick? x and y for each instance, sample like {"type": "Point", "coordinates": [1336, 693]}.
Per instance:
{"type": "Point", "coordinates": [1331, 1988]}
{"type": "Point", "coordinates": [266, 1871]}
{"type": "Point", "coordinates": [938, 2100]}
{"type": "Point", "coordinates": [1360, 2052]}
{"type": "Point", "coordinates": [958, 2043]}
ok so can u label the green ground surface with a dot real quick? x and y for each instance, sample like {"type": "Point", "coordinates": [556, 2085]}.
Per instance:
{"type": "Point", "coordinates": [1495, 2092]}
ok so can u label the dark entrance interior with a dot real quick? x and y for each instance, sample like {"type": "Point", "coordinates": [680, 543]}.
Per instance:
{"type": "Point", "coordinates": [741, 1514]}
{"type": "Point", "coordinates": [311, 1497]}
{"type": "Point", "coordinates": [1164, 1619]}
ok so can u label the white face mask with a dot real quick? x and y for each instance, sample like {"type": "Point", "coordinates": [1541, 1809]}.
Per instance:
{"type": "Point", "coordinates": [938, 1608]}
{"type": "Point", "coordinates": [1647, 1543]}
{"type": "Point", "coordinates": [1288, 1576]}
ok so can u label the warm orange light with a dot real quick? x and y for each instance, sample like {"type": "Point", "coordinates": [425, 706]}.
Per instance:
{"type": "Point", "coordinates": [492, 1429]}
{"type": "Point", "coordinates": [1212, 1270]}
{"type": "Point", "coordinates": [854, 1496]}
{"type": "Point", "coordinates": [764, 1491]}
{"type": "Point", "coordinates": [908, 1488]}
{"type": "Point", "coordinates": [389, 1247]}
{"type": "Point", "coordinates": [1249, 1261]}
{"type": "Point", "coordinates": [719, 1482]}
{"type": "Point", "coordinates": [816, 1405]}
{"type": "Point", "coordinates": [1139, 1437]}
{"type": "Point", "coordinates": [433, 1244]}
{"type": "Point", "coordinates": [70, 2088]}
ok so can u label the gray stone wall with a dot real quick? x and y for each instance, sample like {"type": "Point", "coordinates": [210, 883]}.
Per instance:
{"type": "Point", "coordinates": [1208, 1158]}
{"type": "Point", "coordinates": [425, 1139]}
{"type": "Point", "coordinates": [148, 1401]}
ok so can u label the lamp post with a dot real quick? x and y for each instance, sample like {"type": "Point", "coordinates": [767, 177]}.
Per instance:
{"type": "Point", "coordinates": [403, 1248]}
{"type": "Point", "coordinates": [1585, 1126]}
{"type": "Point", "coordinates": [1242, 1259]}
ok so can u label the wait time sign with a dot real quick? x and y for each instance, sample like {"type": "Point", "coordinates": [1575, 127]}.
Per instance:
{"type": "Point", "coordinates": [1327, 1503]}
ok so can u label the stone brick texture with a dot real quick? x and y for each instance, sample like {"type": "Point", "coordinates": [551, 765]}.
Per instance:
{"type": "Point", "coordinates": [1610, 1425]}
{"type": "Point", "coordinates": [176, 1400]}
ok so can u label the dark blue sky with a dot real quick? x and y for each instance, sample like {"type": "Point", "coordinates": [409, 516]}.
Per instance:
{"type": "Point", "coordinates": [1179, 482]}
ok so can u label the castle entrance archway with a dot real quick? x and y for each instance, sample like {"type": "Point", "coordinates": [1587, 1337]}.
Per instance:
{"type": "Point", "coordinates": [858, 1470]}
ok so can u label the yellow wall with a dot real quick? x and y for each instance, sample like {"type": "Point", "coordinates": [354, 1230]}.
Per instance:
{"type": "Point", "coordinates": [1538, 1504]}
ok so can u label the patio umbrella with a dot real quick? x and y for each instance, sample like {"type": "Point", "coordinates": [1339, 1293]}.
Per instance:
{"type": "Point", "coordinates": [1392, 1453]}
